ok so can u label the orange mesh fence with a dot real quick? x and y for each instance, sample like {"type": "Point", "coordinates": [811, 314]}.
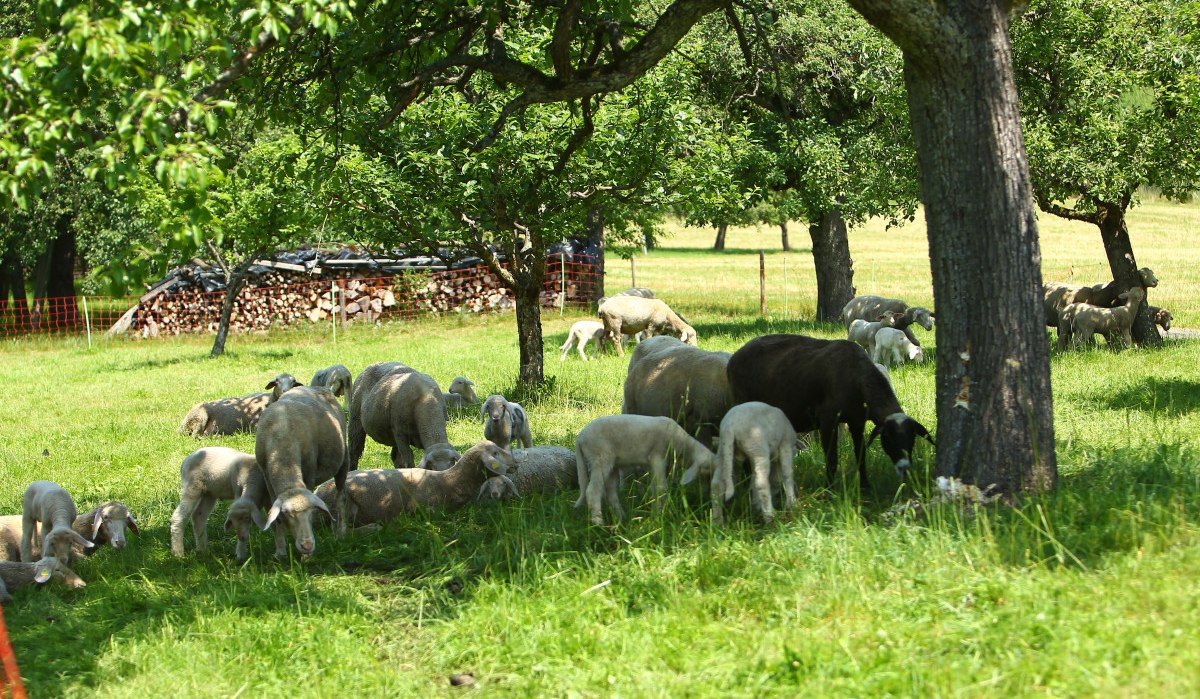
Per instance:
{"type": "Point", "coordinates": [10, 683]}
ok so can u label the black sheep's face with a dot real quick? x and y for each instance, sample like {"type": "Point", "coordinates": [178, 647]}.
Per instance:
{"type": "Point", "coordinates": [897, 435]}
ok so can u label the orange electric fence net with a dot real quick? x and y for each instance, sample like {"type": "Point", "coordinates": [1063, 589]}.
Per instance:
{"type": "Point", "coordinates": [10, 682]}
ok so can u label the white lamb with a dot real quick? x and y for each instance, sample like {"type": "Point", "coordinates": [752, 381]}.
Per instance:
{"type": "Point", "coordinates": [219, 473]}
{"type": "Point", "coordinates": [762, 435]}
{"type": "Point", "coordinates": [460, 393]}
{"type": "Point", "coordinates": [505, 422]}
{"type": "Point", "coordinates": [863, 333]}
{"type": "Point", "coordinates": [892, 346]}
{"type": "Point", "coordinates": [582, 333]}
{"type": "Point", "coordinates": [613, 445]}
{"type": "Point", "coordinates": [51, 506]}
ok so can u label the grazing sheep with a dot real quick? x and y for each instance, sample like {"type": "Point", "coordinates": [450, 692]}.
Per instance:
{"type": "Point", "coordinates": [381, 495]}
{"type": "Point", "coordinates": [400, 407]}
{"type": "Point", "coordinates": [505, 422]}
{"type": "Point", "coordinates": [639, 291]}
{"type": "Point", "coordinates": [301, 443]}
{"type": "Point", "coordinates": [612, 445]}
{"type": "Point", "coordinates": [863, 333]}
{"type": "Point", "coordinates": [232, 415]}
{"type": "Point", "coordinates": [685, 383]}
{"type": "Point", "coordinates": [105, 524]}
{"type": "Point", "coordinates": [626, 315]}
{"type": "Point", "coordinates": [546, 469]}
{"type": "Point", "coordinates": [219, 473]}
{"type": "Point", "coordinates": [336, 378]}
{"type": "Point", "coordinates": [871, 308]}
{"type": "Point", "coordinates": [820, 383]}
{"type": "Point", "coordinates": [15, 575]}
{"type": "Point", "coordinates": [761, 435]}
{"type": "Point", "coordinates": [1162, 317]}
{"type": "Point", "coordinates": [460, 393]}
{"type": "Point", "coordinates": [50, 506]}
{"type": "Point", "coordinates": [581, 334]}
{"type": "Point", "coordinates": [891, 346]}
{"type": "Point", "coordinates": [1080, 321]}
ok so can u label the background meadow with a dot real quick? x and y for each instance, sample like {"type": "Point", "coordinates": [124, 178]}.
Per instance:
{"type": "Point", "coordinates": [1087, 590]}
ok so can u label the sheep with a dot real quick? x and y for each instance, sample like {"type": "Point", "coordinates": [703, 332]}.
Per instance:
{"type": "Point", "coordinates": [639, 291]}
{"type": "Point", "coordinates": [336, 378]}
{"type": "Point", "coordinates": [870, 308]}
{"type": "Point", "coordinates": [1058, 295]}
{"type": "Point", "coordinates": [1109, 294]}
{"type": "Point", "coordinates": [105, 524]}
{"type": "Point", "coordinates": [50, 506]}
{"type": "Point", "coordinates": [400, 407]}
{"type": "Point", "coordinates": [626, 315]}
{"type": "Point", "coordinates": [669, 378]}
{"type": "Point", "coordinates": [760, 434]}
{"type": "Point", "coordinates": [1162, 317]}
{"type": "Point", "coordinates": [301, 442]}
{"type": "Point", "coordinates": [582, 333]}
{"type": "Point", "coordinates": [820, 383]}
{"type": "Point", "coordinates": [1080, 321]}
{"type": "Point", "coordinates": [862, 333]}
{"type": "Point", "coordinates": [14, 575]}
{"type": "Point", "coordinates": [10, 538]}
{"type": "Point", "coordinates": [219, 473]}
{"type": "Point", "coordinates": [611, 445]}
{"type": "Point", "coordinates": [460, 393]}
{"type": "Point", "coordinates": [547, 469]}
{"type": "Point", "coordinates": [232, 415]}
{"type": "Point", "coordinates": [891, 346]}
{"type": "Point", "coordinates": [380, 495]}
{"type": "Point", "coordinates": [505, 422]}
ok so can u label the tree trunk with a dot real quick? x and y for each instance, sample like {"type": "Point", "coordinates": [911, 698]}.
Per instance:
{"type": "Point", "coordinates": [41, 281]}
{"type": "Point", "coordinates": [14, 283]}
{"type": "Point", "coordinates": [529, 334]}
{"type": "Point", "coordinates": [595, 239]}
{"type": "Point", "coordinates": [783, 236]}
{"type": "Point", "coordinates": [719, 244]}
{"type": "Point", "coordinates": [1114, 231]}
{"type": "Point", "coordinates": [835, 269]}
{"type": "Point", "coordinates": [236, 282]}
{"type": "Point", "coordinates": [60, 281]}
{"type": "Point", "coordinates": [995, 417]}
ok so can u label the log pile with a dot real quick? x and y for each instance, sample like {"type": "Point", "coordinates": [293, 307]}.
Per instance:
{"type": "Point", "coordinates": [315, 286]}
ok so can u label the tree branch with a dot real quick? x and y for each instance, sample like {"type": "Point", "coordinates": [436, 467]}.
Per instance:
{"type": "Point", "coordinates": [560, 47]}
{"type": "Point", "coordinates": [1060, 211]}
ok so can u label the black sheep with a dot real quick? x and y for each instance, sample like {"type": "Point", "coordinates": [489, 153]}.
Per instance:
{"type": "Point", "coordinates": [820, 383]}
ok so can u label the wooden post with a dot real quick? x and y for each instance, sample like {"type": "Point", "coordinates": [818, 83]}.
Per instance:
{"type": "Point", "coordinates": [562, 293]}
{"type": "Point", "coordinates": [633, 271]}
{"type": "Point", "coordinates": [87, 321]}
{"type": "Point", "coordinates": [762, 284]}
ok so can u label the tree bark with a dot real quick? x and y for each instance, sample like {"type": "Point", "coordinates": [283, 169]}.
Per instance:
{"type": "Point", "coordinates": [835, 269]}
{"type": "Point", "coordinates": [1114, 231]}
{"type": "Point", "coordinates": [14, 282]}
{"type": "Point", "coordinates": [41, 282]}
{"type": "Point", "coordinates": [719, 243]}
{"type": "Point", "coordinates": [783, 236]}
{"type": "Point", "coordinates": [994, 406]}
{"type": "Point", "coordinates": [236, 282]}
{"type": "Point", "coordinates": [595, 239]}
{"type": "Point", "coordinates": [60, 278]}
{"type": "Point", "coordinates": [529, 334]}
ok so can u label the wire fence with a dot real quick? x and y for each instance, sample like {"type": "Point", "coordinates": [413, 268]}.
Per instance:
{"type": "Point", "coordinates": [572, 281]}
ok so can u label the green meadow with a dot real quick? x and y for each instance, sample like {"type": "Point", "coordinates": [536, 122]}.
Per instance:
{"type": "Point", "coordinates": [1088, 590]}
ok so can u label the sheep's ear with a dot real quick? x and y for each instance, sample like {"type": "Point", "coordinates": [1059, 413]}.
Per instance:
{"type": "Point", "coordinates": [483, 411]}
{"type": "Point", "coordinates": [319, 504]}
{"type": "Point", "coordinates": [272, 515]}
{"type": "Point", "coordinates": [690, 474]}
{"type": "Point", "coordinates": [81, 540]}
{"type": "Point", "coordinates": [228, 524]}
{"type": "Point", "coordinates": [42, 572]}
{"type": "Point", "coordinates": [257, 518]}
{"type": "Point", "coordinates": [271, 384]}
{"type": "Point", "coordinates": [510, 486]}
{"type": "Point", "coordinates": [133, 527]}
{"type": "Point", "coordinates": [874, 433]}
{"type": "Point", "coordinates": [96, 522]}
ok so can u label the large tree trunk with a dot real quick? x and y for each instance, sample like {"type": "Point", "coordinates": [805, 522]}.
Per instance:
{"type": "Point", "coordinates": [236, 281]}
{"type": "Point", "coordinates": [995, 418]}
{"type": "Point", "coordinates": [1117, 247]}
{"type": "Point", "coordinates": [835, 269]}
{"type": "Point", "coordinates": [14, 283]}
{"type": "Point", "coordinates": [783, 236]}
{"type": "Point", "coordinates": [60, 281]}
{"type": "Point", "coordinates": [529, 335]}
{"type": "Point", "coordinates": [719, 243]}
{"type": "Point", "coordinates": [595, 239]}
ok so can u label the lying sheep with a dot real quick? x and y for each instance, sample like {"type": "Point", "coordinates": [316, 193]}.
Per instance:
{"type": "Point", "coordinates": [219, 473]}
{"type": "Point", "coordinates": [611, 446]}
{"type": "Point", "coordinates": [582, 333]}
{"type": "Point", "coordinates": [15, 575]}
{"type": "Point", "coordinates": [105, 524]}
{"type": "Point", "coordinates": [48, 511]}
{"type": "Point", "coordinates": [301, 442]}
{"type": "Point", "coordinates": [862, 333]}
{"type": "Point", "coordinates": [821, 383]}
{"type": "Point", "coordinates": [400, 407]}
{"type": "Point", "coordinates": [685, 383]}
{"type": "Point", "coordinates": [381, 495]}
{"type": "Point", "coordinates": [336, 378]}
{"type": "Point", "coordinates": [232, 415]}
{"type": "Point", "coordinates": [626, 315]}
{"type": "Point", "coordinates": [546, 469]}
{"type": "Point", "coordinates": [461, 393]}
{"type": "Point", "coordinates": [891, 346]}
{"type": "Point", "coordinates": [10, 538]}
{"type": "Point", "coordinates": [761, 435]}
{"type": "Point", "coordinates": [1081, 321]}
{"type": "Point", "coordinates": [870, 308]}
{"type": "Point", "coordinates": [505, 422]}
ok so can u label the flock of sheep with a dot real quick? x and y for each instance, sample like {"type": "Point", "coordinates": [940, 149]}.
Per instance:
{"type": "Point", "coordinates": [684, 410]}
{"type": "Point", "coordinates": [1081, 312]}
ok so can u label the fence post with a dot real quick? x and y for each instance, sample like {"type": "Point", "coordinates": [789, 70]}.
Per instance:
{"type": "Point", "coordinates": [785, 289]}
{"type": "Point", "coordinates": [333, 316]}
{"type": "Point", "coordinates": [633, 270]}
{"type": "Point", "coordinates": [87, 321]}
{"type": "Point", "coordinates": [562, 294]}
{"type": "Point", "coordinates": [762, 284]}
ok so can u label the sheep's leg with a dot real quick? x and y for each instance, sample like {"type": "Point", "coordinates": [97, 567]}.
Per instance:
{"type": "Point", "coordinates": [182, 513]}
{"type": "Point", "coordinates": [718, 495]}
{"type": "Point", "coordinates": [596, 488]}
{"type": "Point", "coordinates": [345, 515]}
{"type": "Point", "coordinates": [581, 473]}
{"type": "Point", "coordinates": [356, 440]}
{"type": "Point", "coordinates": [855, 427]}
{"type": "Point", "coordinates": [203, 509]}
{"type": "Point", "coordinates": [614, 498]}
{"type": "Point", "coordinates": [28, 527]}
{"type": "Point", "coordinates": [786, 455]}
{"type": "Point", "coordinates": [761, 465]}
{"type": "Point", "coordinates": [829, 444]}
{"type": "Point", "coordinates": [658, 482]}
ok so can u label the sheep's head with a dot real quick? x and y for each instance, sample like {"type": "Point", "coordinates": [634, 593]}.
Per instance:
{"type": "Point", "coordinates": [194, 422]}
{"type": "Point", "coordinates": [887, 320]}
{"type": "Point", "coordinates": [689, 336]}
{"type": "Point", "coordinates": [51, 567]}
{"type": "Point", "coordinates": [1147, 276]}
{"type": "Point", "coordinates": [703, 465]}
{"type": "Point", "coordinates": [1133, 296]}
{"type": "Point", "coordinates": [494, 409]}
{"type": "Point", "coordinates": [243, 513]}
{"type": "Point", "coordinates": [462, 386]}
{"type": "Point", "coordinates": [1163, 318]}
{"type": "Point", "coordinates": [439, 457]}
{"type": "Point", "coordinates": [295, 507]}
{"type": "Point", "coordinates": [497, 488]}
{"type": "Point", "coordinates": [110, 522]}
{"type": "Point", "coordinates": [58, 543]}
{"type": "Point", "coordinates": [923, 317]}
{"type": "Point", "coordinates": [494, 460]}
{"type": "Point", "coordinates": [898, 432]}
{"type": "Point", "coordinates": [282, 384]}
{"type": "Point", "coordinates": [915, 353]}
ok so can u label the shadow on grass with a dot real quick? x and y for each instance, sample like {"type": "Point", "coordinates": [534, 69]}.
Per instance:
{"type": "Point", "coordinates": [1173, 397]}
{"type": "Point", "coordinates": [708, 251]}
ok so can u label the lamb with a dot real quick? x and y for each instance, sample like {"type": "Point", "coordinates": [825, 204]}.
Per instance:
{"type": "Point", "coordinates": [381, 495]}
{"type": "Point", "coordinates": [1058, 295]}
{"type": "Point", "coordinates": [611, 445]}
{"type": "Point", "coordinates": [1109, 295]}
{"type": "Point", "coordinates": [1080, 321]}
{"type": "Point", "coordinates": [232, 415]}
{"type": "Point", "coordinates": [760, 434]}
{"type": "Point", "coordinates": [219, 473]}
{"type": "Point", "coordinates": [14, 575]}
{"type": "Point", "coordinates": [581, 334]}
{"type": "Point", "coordinates": [50, 506]}
{"type": "Point", "coordinates": [1162, 317]}
{"type": "Point", "coordinates": [891, 346]}
{"type": "Point", "coordinates": [626, 315]}
{"type": "Point", "coordinates": [400, 407]}
{"type": "Point", "coordinates": [863, 333]}
{"type": "Point", "coordinates": [546, 469]}
{"type": "Point", "coordinates": [669, 378]}
{"type": "Point", "coordinates": [505, 422]}
{"type": "Point", "coordinates": [105, 524]}
{"type": "Point", "coordinates": [336, 378]}
{"type": "Point", "coordinates": [870, 308]}
{"type": "Point", "coordinates": [10, 538]}
{"type": "Point", "coordinates": [301, 442]}
{"type": "Point", "coordinates": [820, 383]}
{"type": "Point", "coordinates": [460, 393]}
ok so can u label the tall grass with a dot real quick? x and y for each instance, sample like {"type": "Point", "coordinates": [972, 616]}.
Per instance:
{"type": "Point", "coordinates": [1088, 590]}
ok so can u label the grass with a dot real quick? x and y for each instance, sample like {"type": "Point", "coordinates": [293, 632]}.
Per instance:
{"type": "Point", "coordinates": [1088, 590]}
